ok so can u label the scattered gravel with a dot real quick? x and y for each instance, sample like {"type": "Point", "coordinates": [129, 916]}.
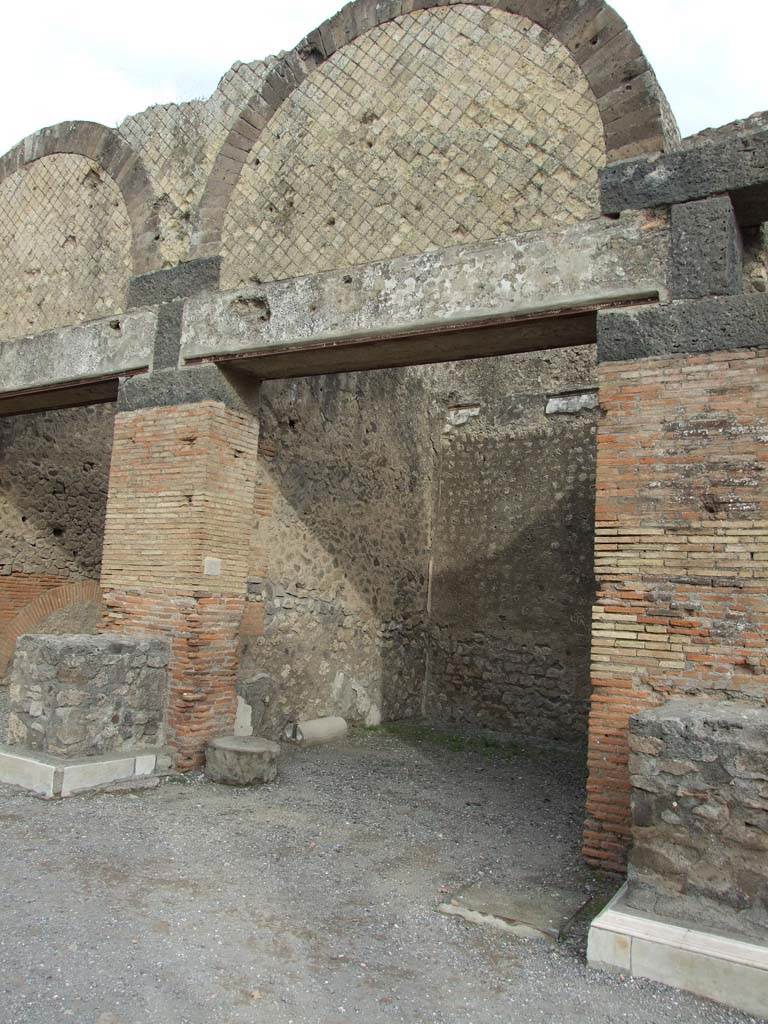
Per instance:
{"type": "Point", "coordinates": [310, 900]}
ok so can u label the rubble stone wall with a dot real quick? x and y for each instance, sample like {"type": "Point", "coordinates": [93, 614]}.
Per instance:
{"type": "Point", "coordinates": [84, 695]}
{"type": "Point", "coordinates": [699, 774]}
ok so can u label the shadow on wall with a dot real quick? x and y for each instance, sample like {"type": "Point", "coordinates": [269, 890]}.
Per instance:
{"type": "Point", "coordinates": [54, 470]}
{"type": "Point", "coordinates": [344, 594]}
{"type": "Point", "coordinates": [510, 632]}
{"type": "Point", "coordinates": [344, 589]}
{"type": "Point", "coordinates": [54, 475]}
{"type": "Point", "coordinates": [354, 462]}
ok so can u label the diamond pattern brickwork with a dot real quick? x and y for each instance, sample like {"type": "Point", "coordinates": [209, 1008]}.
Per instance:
{"type": "Point", "coordinates": [65, 246]}
{"type": "Point", "coordinates": [178, 144]}
{"type": "Point", "coordinates": [452, 125]}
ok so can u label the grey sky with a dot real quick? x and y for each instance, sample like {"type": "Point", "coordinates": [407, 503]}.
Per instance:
{"type": "Point", "coordinates": [95, 61]}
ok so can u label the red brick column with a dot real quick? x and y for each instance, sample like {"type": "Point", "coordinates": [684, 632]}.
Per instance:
{"type": "Point", "coordinates": [681, 553]}
{"type": "Point", "coordinates": [176, 553]}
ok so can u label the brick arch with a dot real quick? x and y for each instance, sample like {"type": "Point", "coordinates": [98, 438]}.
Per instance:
{"type": "Point", "coordinates": [635, 115]}
{"type": "Point", "coordinates": [115, 157]}
{"type": "Point", "coordinates": [40, 608]}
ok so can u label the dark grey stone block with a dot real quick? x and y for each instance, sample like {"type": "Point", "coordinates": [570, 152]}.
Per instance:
{"type": "Point", "coordinates": [168, 337]}
{"type": "Point", "coordinates": [738, 165]}
{"type": "Point", "coordinates": [726, 323]}
{"type": "Point", "coordinates": [707, 252]}
{"type": "Point", "coordinates": [175, 282]}
{"type": "Point", "coordinates": [187, 386]}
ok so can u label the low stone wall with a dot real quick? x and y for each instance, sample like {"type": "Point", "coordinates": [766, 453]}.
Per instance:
{"type": "Point", "coordinates": [699, 772]}
{"type": "Point", "coordinates": [76, 696]}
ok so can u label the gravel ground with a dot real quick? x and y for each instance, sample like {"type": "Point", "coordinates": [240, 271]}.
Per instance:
{"type": "Point", "coordinates": [311, 900]}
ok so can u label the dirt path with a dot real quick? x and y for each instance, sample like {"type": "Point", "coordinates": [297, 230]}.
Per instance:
{"type": "Point", "coordinates": [312, 900]}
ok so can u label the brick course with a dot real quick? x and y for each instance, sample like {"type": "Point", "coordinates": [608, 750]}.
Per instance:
{"type": "Point", "coordinates": [176, 556]}
{"type": "Point", "coordinates": [681, 555]}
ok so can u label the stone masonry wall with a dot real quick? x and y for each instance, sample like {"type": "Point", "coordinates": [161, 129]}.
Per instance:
{"type": "Point", "coordinates": [699, 774]}
{"type": "Point", "coordinates": [512, 581]}
{"type": "Point", "coordinates": [449, 125]}
{"type": "Point", "coordinates": [445, 125]}
{"type": "Point", "coordinates": [54, 468]}
{"type": "Point", "coordinates": [681, 554]}
{"type": "Point", "coordinates": [84, 695]}
{"type": "Point", "coordinates": [337, 598]}
{"type": "Point", "coordinates": [178, 144]}
{"type": "Point", "coordinates": [339, 617]}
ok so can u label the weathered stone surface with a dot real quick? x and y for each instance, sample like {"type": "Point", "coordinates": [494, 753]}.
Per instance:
{"type": "Point", "coordinates": [188, 386]}
{"type": "Point", "coordinates": [532, 913]}
{"type": "Point", "coordinates": [104, 348]}
{"type": "Point", "coordinates": [174, 282]}
{"type": "Point", "coordinates": [724, 323]}
{"type": "Point", "coordinates": [585, 262]}
{"type": "Point", "coordinates": [699, 772]}
{"type": "Point", "coordinates": [706, 250]}
{"type": "Point", "coordinates": [65, 257]}
{"type": "Point", "coordinates": [52, 503]}
{"type": "Point", "coordinates": [241, 760]}
{"type": "Point", "coordinates": [735, 163]}
{"type": "Point", "coordinates": [86, 695]}
{"type": "Point", "coordinates": [356, 168]}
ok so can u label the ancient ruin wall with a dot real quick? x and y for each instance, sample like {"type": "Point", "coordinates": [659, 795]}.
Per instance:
{"type": "Point", "coordinates": [65, 243]}
{"type": "Point", "coordinates": [512, 582]}
{"type": "Point", "coordinates": [342, 589]}
{"type": "Point", "coordinates": [53, 487]}
{"type": "Point", "coordinates": [682, 515]}
{"type": "Point", "coordinates": [178, 143]}
{"type": "Point", "coordinates": [445, 126]}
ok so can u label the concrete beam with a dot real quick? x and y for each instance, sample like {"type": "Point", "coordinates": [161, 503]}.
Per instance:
{"type": "Point", "coordinates": [736, 164]}
{"type": "Point", "coordinates": [86, 358]}
{"type": "Point", "coordinates": [529, 329]}
{"type": "Point", "coordinates": [300, 326]}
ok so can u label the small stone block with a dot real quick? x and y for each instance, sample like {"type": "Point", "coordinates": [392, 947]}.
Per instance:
{"type": "Point", "coordinates": [241, 760]}
{"type": "Point", "coordinates": [609, 950]}
{"type": "Point", "coordinates": [714, 966]}
{"type": "Point", "coordinates": [706, 249]}
{"type": "Point", "coordinates": [532, 914]}
{"type": "Point", "coordinates": [28, 773]}
{"type": "Point", "coordinates": [89, 775]}
{"type": "Point", "coordinates": [145, 764]}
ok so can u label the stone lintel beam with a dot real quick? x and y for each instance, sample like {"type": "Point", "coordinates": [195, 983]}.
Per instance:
{"type": "Point", "coordinates": [724, 323]}
{"type": "Point", "coordinates": [584, 264]}
{"type": "Point", "coordinates": [737, 165]}
{"type": "Point", "coordinates": [91, 353]}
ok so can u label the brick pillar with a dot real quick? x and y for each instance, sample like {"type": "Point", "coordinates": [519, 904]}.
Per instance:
{"type": "Point", "coordinates": [682, 538]}
{"type": "Point", "coordinates": [176, 551]}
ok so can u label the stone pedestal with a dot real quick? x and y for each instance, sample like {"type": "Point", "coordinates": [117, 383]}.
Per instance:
{"type": "Point", "coordinates": [241, 760]}
{"type": "Point", "coordinates": [80, 696]}
{"type": "Point", "coordinates": [694, 913]}
{"type": "Point", "coordinates": [699, 774]}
